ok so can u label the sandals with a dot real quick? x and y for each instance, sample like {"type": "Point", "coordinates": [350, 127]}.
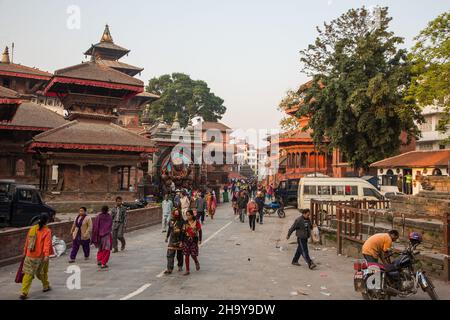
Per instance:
{"type": "Point", "coordinates": [168, 272]}
{"type": "Point", "coordinates": [186, 273]}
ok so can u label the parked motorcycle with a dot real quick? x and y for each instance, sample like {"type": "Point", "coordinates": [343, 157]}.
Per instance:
{"type": "Point", "coordinates": [137, 204]}
{"type": "Point", "coordinates": [399, 278]}
{"type": "Point", "coordinates": [275, 206]}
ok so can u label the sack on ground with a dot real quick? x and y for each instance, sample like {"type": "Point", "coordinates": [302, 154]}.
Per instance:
{"type": "Point", "coordinates": [59, 247]}
{"type": "Point", "coordinates": [315, 234]}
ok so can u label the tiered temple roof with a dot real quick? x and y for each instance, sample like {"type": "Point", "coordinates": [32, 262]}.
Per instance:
{"type": "Point", "coordinates": [33, 117]}
{"type": "Point", "coordinates": [17, 70]}
{"type": "Point", "coordinates": [108, 53]}
{"type": "Point", "coordinates": [93, 135]}
{"type": "Point", "coordinates": [9, 102]}
{"type": "Point", "coordinates": [90, 92]}
{"type": "Point", "coordinates": [93, 74]}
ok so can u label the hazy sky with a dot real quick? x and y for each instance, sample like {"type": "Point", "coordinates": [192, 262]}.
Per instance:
{"type": "Point", "coordinates": [247, 51]}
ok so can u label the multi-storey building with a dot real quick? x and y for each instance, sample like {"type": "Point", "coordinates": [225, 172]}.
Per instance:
{"type": "Point", "coordinates": [432, 138]}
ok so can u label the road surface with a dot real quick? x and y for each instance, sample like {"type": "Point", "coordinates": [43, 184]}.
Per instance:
{"type": "Point", "coordinates": [235, 264]}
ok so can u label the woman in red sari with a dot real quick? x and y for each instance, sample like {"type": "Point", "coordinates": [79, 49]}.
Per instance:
{"type": "Point", "coordinates": [102, 236]}
{"type": "Point", "coordinates": [191, 239]}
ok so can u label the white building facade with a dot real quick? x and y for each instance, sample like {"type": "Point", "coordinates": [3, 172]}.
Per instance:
{"type": "Point", "coordinates": [432, 139]}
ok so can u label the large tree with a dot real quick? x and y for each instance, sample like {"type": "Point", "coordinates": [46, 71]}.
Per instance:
{"type": "Point", "coordinates": [430, 60]}
{"type": "Point", "coordinates": [190, 98]}
{"type": "Point", "coordinates": [291, 100]}
{"type": "Point", "coordinates": [357, 99]}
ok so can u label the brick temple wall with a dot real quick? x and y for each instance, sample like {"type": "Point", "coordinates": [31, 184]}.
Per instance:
{"type": "Point", "coordinates": [440, 183]}
{"type": "Point", "coordinates": [428, 203]}
{"type": "Point", "coordinates": [12, 241]}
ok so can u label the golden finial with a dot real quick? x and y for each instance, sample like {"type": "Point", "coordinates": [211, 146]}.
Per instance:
{"type": "Point", "coordinates": [5, 56]}
{"type": "Point", "coordinates": [106, 37]}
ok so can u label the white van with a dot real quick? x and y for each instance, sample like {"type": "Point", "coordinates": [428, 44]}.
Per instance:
{"type": "Point", "coordinates": [334, 189]}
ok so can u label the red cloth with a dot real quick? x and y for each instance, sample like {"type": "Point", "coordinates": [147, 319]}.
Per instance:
{"type": "Point", "coordinates": [102, 226]}
{"type": "Point", "coordinates": [103, 256]}
{"type": "Point", "coordinates": [252, 208]}
{"type": "Point", "coordinates": [19, 274]}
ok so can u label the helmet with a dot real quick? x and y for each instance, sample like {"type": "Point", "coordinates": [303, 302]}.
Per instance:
{"type": "Point", "coordinates": [415, 237]}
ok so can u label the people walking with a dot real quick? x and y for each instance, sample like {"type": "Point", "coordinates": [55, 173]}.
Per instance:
{"type": "Point", "coordinates": [185, 204]}
{"type": "Point", "coordinates": [37, 250]}
{"type": "Point", "coordinates": [242, 205]}
{"type": "Point", "coordinates": [176, 199]}
{"type": "Point", "coordinates": [102, 236]}
{"type": "Point", "coordinates": [200, 206]}
{"type": "Point", "coordinates": [174, 236]}
{"type": "Point", "coordinates": [260, 201]}
{"type": "Point", "coordinates": [270, 192]}
{"type": "Point", "coordinates": [234, 203]}
{"type": "Point", "coordinates": [302, 228]}
{"type": "Point", "coordinates": [252, 209]}
{"type": "Point", "coordinates": [191, 239]}
{"type": "Point", "coordinates": [81, 235]}
{"type": "Point", "coordinates": [212, 205]}
{"type": "Point", "coordinates": [167, 207]}
{"type": "Point", "coordinates": [119, 216]}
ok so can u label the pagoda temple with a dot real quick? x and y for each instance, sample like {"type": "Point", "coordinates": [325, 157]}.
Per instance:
{"type": "Point", "coordinates": [96, 159]}
{"type": "Point", "coordinates": [107, 54]}
{"type": "Point", "coordinates": [22, 118]}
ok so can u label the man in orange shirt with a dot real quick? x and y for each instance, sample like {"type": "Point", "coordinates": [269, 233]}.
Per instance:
{"type": "Point", "coordinates": [378, 245]}
{"type": "Point", "coordinates": [38, 248]}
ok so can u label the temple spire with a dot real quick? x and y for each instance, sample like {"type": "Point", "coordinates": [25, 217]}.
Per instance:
{"type": "Point", "coordinates": [5, 56]}
{"type": "Point", "coordinates": [106, 37]}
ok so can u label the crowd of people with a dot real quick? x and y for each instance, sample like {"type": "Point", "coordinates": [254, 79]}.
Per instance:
{"type": "Point", "coordinates": [184, 213]}
{"type": "Point", "coordinates": [104, 232]}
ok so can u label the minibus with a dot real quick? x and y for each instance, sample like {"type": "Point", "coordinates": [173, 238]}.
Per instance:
{"type": "Point", "coordinates": [334, 189]}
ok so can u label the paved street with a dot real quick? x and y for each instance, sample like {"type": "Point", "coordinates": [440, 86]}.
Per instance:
{"type": "Point", "coordinates": [235, 264]}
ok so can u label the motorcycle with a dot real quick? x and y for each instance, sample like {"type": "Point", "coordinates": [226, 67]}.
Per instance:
{"type": "Point", "coordinates": [137, 204]}
{"type": "Point", "coordinates": [275, 206]}
{"type": "Point", "coordinates": [399, 278]}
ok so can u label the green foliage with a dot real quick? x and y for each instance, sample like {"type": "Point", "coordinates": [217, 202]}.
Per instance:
{"type": "Point", "coordinates": [190, 98]}
{"type": "Point", "coordinates": [357, 98]}
{"type": "Point", "coordinates": [430, 59]}
{"type": "Point", "coordinates": [289, 101]}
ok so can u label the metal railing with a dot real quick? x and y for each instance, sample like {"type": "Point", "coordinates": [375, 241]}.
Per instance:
{"type": "Point", "coordinates": [358, 219]}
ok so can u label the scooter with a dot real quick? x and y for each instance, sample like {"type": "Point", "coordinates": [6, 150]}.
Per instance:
{"type": "Point", "coordinates": [275, 206]}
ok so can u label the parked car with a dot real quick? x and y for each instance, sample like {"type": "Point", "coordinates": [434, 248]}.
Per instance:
{"type": "Point", "coordinates": [21, 204]}
{"type": "Point", "coordinates": [389, 195]}
{"type": "Point", "coordinates": [389, 191]}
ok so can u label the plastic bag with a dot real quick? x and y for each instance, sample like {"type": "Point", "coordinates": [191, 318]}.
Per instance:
{"type": "Point", "coordinates": [59, 247]}
{"type": "Point", "coordinates": [315, 234]}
